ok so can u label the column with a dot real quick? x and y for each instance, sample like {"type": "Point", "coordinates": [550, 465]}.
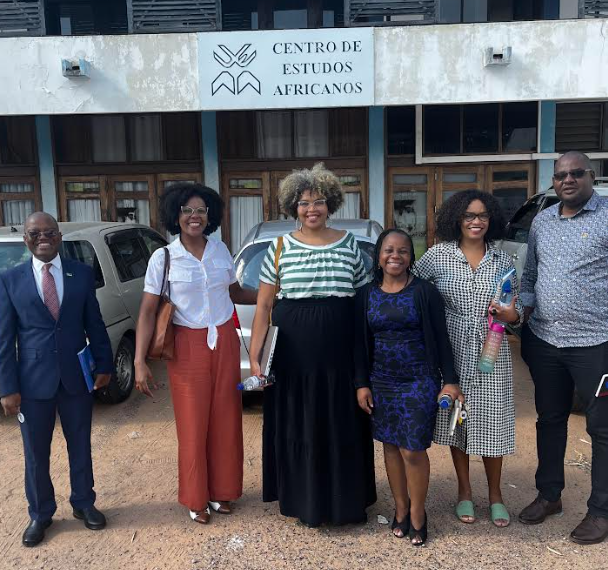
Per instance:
{"type": "Point", "coordinates": [546, 122]}
{"type": "Point", "coordinates": [48, 184]}
{"type": "Point", "coordinates": [211, 165]}
{"type": "Point", "coordinates": [377, 164]}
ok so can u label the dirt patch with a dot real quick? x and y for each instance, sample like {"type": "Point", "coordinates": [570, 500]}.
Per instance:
{"type": "Point", "coordinates": [135, 456]}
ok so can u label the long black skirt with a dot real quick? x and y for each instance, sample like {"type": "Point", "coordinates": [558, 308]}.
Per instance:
{"type": "Point", "coordinates": [318, 454]}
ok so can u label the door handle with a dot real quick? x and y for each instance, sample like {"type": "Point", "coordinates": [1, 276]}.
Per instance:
{"type": "Point", "coordinates": [515, 256]}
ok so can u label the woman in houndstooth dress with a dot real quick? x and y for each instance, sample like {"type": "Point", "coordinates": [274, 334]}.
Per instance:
{"type": "Point", "coordinates": [466, 268]}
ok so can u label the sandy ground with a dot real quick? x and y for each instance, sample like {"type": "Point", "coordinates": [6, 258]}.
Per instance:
{"type": "Point", "coordinates": [136, 474]}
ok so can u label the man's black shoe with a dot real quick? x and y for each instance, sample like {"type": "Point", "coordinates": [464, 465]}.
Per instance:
{"type": "Point", "coordinates": [93, 519]}
{"type": "Point", "coordinates": [34, 533]}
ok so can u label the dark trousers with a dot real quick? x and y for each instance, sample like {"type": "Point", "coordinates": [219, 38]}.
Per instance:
{"type": "Point", "coordinates": [75, 413]}
{"type": "Point", "coordinates": [556, 372]}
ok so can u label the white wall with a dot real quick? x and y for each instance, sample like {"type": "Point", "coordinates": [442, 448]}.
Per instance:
{"type": "Point", "coordinates": [128, 73]}
{"type": "Point", "coordinates": [552, 60]}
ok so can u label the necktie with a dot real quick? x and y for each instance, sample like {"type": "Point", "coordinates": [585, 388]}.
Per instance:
{"type": "Point", "coordinates": [49, 291]}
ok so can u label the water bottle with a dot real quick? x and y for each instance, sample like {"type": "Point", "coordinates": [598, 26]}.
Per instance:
{"type": "Point", "coordinates": [255, 382]}
{"type": "Point", "coordinates": [506, 296]}
{"type": "Point", "coordinates": [445, 402]}
{"type": "Point", "coordinates": [496, 329]}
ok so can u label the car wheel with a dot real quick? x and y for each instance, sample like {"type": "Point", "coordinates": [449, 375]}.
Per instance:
{"type": "Point", "coordinates": [123, 377]}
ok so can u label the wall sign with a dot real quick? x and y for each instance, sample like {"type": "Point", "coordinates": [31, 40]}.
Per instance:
{"type": "Point", "coordinates": [286, 69]}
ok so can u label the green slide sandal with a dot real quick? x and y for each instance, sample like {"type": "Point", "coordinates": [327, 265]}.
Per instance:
{"type": "Point", "coordinates": [465, 509]}
{"type": "Point", "coordinates": [498, 512]}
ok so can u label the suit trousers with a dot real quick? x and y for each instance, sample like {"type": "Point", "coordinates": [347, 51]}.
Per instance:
{"type": "Point", "coordinates": [75, 413]}
{"type": "Point", "coordinates": [208, 416]}
{"type": "Point", "coordinates": [556, 372]}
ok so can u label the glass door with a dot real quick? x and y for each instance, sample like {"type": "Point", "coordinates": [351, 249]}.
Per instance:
{"type": "Point", "coordinates": [132, 198]}
{"type": "Point", "coordinates": [453, 179]}
{"type": "Point", "coordinates": [511, 184]}
{"type": "Point", "coordinates": [411, 205]}
{"type": "Point", "coordinates": [247, 198]}
{"type": "Point", "coordinates": [83, 199]}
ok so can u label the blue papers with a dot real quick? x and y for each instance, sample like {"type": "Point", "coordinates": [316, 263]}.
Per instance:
{"type": "Point", "coordinates": [87, 363]}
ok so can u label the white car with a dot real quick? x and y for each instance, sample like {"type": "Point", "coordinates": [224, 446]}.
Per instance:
{"type": "Point", "coordinates": [518, 228]}
{"type": "Point", "coordinates": [118, 253]}
{"type": "Point", "coordinates": [249, 260]}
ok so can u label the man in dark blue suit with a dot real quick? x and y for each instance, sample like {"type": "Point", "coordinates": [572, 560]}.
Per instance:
{"type": "Point", "coordinates": [48, 309]}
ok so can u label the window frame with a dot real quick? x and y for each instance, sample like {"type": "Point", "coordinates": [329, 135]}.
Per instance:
{"type": "Point", "coordinates": [500, 149]}
{"type": "Point", "coordinates": [35, 195]}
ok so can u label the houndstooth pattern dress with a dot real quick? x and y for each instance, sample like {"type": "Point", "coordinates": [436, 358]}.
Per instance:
{"type": "Point", "coordinates": [489, 429]}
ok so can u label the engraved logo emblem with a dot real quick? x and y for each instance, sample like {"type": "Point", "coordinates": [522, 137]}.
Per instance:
{"type": "Point", "coordinates": [233, 82]}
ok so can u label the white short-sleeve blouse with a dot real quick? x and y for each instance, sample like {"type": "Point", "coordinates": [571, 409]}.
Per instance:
{"type": "Point", "coordinates": [198, 288]}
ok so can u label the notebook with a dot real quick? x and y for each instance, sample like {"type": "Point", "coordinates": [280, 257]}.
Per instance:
{"type": "Point", "coordinates": [268, 350]}
{"type": "Point", "coordinates": [87, 363]}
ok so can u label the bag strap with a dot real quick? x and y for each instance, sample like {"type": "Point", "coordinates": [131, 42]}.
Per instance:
{"type": "Point", "coordinates": [277, 283]}
{"type": "Point", "coordinates": [165, 290]}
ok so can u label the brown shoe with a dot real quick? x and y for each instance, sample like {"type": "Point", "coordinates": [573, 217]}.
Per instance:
{"type": "Point", "coordinates": [592, 530]}
{"type": "Point", "coordinates": [201, 517]}
{"type": "Point", "coordinates": [221, 507]}
{"type": "Point", "coordinates": [539, 509]}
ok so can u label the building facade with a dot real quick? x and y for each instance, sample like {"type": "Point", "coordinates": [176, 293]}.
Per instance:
{"type": "Point", "coordinates": [105, 104]}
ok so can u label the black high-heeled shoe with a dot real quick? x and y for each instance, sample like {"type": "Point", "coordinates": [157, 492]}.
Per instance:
{"type": "Point", "coordinates": [420, 534]}
{"type": "Point", "coordinates": [403, 526]}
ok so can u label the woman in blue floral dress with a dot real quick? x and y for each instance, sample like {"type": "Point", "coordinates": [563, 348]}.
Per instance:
{"type": "Point", "coordinates": [403, 353]}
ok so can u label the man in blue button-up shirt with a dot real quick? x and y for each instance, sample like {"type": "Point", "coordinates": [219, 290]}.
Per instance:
{"type": "Point", "coordinates": [564, 290]}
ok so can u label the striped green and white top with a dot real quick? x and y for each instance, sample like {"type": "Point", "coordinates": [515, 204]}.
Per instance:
{"type": "Point", "coordinates": [332, 270]}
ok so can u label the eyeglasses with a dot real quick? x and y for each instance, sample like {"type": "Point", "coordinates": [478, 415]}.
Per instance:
{"type": "Point", "coordinates": [188, 211]}
{"type": "Point", "coordinates": [35, 234]}
{"type": "Point", "coordinates": [576, 173]}
{"type": "Point", "coordinates": [316, 204]}
{"type": "Point", "coordinates": [470, 216]}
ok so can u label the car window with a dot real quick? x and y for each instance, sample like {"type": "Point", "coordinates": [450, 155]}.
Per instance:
{"type": "Point", "coordinates": [83, 251]}
{"type": "Point", "coordinates": [249, 263]}
{"type": "Point", "coordinates": [129, 256]}
{"type": "Point", "coordinates": [519, 226]}
{"type": "Point", "coordinates": [13, 253]}
{"type": "Point", "coordinates": [152, 241]}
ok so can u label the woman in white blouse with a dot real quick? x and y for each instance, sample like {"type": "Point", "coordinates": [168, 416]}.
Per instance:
{"type": "Point", "coordinates": [205, 368]}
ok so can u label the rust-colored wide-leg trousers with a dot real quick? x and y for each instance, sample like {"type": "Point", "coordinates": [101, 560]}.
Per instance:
{"type": "Point", "coordinates": [208, 416]}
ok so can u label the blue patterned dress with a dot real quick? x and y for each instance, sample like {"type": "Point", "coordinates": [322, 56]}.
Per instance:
{"type": "Point", "coordinates": [404, 388]}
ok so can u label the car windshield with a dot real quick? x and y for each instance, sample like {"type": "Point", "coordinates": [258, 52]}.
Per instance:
{"type": "Point", "coordinates": [248, 264]}
{"type": "Point", "coordinates": [13, 253]}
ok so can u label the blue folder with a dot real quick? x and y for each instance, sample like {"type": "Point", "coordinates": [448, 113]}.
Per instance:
{"type": "Point", "coordinates": [87, 363]}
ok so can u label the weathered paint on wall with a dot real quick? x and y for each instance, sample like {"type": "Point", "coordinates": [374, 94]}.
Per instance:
{"type": "Point", "coordinates": [552, 60]}
{"type": "Point", "coordinates": [138, 73]}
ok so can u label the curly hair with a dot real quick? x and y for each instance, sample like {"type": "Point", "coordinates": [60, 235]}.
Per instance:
{"type": "Point", "coordinates": [177, 195]}
{"type": "Point", "coordinates": [377, 272]}
{"type": "Point", "coordinates": [319, 180]}
{"type": "Point", "coordinates": [451, 213]}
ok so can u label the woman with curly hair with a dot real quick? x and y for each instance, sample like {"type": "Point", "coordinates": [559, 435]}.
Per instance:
{"type": "Point", "coordinates": [466, 268]}
{"type": "Point", "coordinates": [318, 457]}
{"type": "Point", "coordinates": [205, 367]}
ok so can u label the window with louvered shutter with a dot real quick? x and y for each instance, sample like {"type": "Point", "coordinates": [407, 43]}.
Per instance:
{"type": "Point", "coordinates": [578, 127]}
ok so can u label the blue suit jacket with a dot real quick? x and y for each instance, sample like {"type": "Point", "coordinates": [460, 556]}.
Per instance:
{"type": "Point", "coordinates": [37, 352]}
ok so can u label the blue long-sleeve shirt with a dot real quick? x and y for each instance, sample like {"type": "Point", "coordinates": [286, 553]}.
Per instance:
{"type": "Point", "coordinates": [566, 275]}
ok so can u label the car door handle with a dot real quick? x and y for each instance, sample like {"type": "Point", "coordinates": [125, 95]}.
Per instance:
{"type": "Point", "coordinates": [515, 256]}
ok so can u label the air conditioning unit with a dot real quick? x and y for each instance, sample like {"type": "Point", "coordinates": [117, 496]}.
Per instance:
{"type": "Point", "coordinates": [494, 56]}
{"type": "Point", "coordinates": [75, 67]}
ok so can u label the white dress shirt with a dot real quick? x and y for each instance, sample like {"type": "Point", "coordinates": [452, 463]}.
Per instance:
{"type": "Point", "coordinates": [56, 272]}
{"type": "Point", "coordinates": [198, 288]}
